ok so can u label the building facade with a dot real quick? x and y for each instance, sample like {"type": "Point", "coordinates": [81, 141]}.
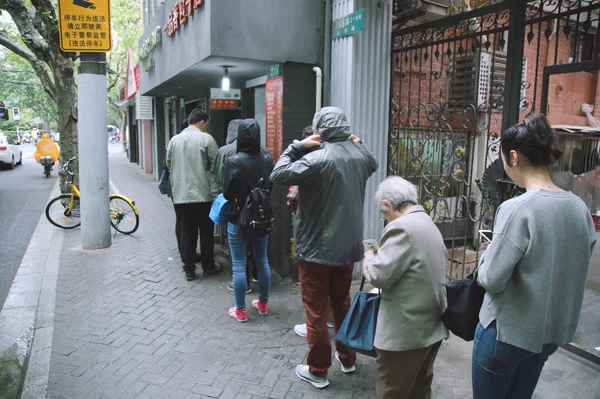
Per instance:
{"type": "Point", "coordinates": [272, 53]}
{"type": "Point", "coordinates": [424, 90]}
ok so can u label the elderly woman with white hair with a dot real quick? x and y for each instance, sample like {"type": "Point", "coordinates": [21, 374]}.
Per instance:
{"type": "Point", "coordinates": [408, 267]}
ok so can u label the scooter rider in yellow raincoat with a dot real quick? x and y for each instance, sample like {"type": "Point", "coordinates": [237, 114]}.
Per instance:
{"type": "Point", "coordinates": [46, 153]}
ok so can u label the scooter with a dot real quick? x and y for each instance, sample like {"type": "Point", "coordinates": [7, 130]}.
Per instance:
{"type": "Point", "coordinates": [46, 162]}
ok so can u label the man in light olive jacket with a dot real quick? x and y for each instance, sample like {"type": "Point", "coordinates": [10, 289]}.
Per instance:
{"type": "Point", "coordinates": [408, 267]}
{"type": "Point", "coordinates": [190, 156]}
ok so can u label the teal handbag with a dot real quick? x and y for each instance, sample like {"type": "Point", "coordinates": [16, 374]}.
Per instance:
{"type": "Point", "coordinates": [164, 186]}
{"type": "Point", "coordinates": [219, 210]}
{"type": "Point", "coordinates": [357, 332]}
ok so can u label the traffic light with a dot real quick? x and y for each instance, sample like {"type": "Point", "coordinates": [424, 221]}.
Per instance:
{"type": "Point", "coordinates": [3, 112]}
{"type": "Point", "coordinates": [16, 114]}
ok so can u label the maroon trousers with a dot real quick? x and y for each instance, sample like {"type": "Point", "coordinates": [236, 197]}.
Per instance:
{"type": "Point", "coordinates": [322, 286]}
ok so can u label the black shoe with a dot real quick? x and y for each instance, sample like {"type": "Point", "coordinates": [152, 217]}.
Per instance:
{"type": "Point", "coordinates": [189, 276]}
{"type": "Point", "coordinates": [215, 270]}
{"type": "Point", "coordinates": [230, 287]}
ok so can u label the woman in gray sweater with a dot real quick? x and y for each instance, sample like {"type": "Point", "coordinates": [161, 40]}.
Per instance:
{"type": "Point", "coordinates": [534, 270]}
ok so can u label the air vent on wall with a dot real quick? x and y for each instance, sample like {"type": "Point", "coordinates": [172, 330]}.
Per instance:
{"type": "Point", "coordinates": [478, 79]}
{"type": "Point", "coordinates": [144, 107]}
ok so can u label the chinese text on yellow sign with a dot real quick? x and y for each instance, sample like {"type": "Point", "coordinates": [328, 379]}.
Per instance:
{"type": "Point", "coordinates": [84, 25]}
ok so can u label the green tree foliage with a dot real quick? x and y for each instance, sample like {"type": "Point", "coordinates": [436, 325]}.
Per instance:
{"type": "Point", "coordinates": [127, 31]}
{"type": "Point", "coordinates": [20, 87]}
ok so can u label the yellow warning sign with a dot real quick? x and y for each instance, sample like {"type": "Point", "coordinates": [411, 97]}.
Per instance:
{"type": "Point", "coordinates": [84, 25]}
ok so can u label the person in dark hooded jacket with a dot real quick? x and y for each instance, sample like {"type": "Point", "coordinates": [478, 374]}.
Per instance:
{"type": "Point", "coordinates": [228, 150]}
{"type": "Point", "coordinates": [328, 230]}
{"type": "Point", "coordinates": [242, 172]}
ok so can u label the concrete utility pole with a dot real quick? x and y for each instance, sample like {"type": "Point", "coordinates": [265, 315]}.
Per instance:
{"type": "Point", "coordinates": [93, 151]}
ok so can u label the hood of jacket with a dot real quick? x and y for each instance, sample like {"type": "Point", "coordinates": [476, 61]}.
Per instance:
{"type": "Point", "coordinates": [331, 124]}
{"type": "Point", "coordinates": [248, 138]}
{"type": "Point", "coordinates": [232, 131]}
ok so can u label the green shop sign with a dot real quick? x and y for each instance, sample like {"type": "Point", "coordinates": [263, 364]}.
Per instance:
{"type": "Point", "coordinates": [274, 71]}
{"type": "Point", "coordinates": [349, 25]}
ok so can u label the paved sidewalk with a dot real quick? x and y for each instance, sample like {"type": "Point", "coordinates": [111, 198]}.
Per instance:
{"type": "Point", "coordinates": [128, 325]}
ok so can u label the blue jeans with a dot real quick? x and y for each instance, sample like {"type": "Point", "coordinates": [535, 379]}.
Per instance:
{"type": "Point", "coordinates": [502, 370]}
{"type": "Point", "coordinates": [237, 246]}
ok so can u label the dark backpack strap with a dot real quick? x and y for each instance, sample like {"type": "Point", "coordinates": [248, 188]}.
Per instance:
{"type": "Point", "coordinates": [252, 186]}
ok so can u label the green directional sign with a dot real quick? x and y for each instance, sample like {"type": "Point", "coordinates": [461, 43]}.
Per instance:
{"type": "Point", "coordinates": [349, 25]}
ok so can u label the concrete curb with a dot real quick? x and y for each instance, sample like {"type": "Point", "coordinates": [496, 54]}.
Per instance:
{"type": "Point", "coordinates": [576, 350]}
{"type": "Point", "coordinates": [27, 318]}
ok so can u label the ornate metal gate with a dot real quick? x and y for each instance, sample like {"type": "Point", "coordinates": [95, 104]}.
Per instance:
{"type": "Point", "coordinates": [456, 84]}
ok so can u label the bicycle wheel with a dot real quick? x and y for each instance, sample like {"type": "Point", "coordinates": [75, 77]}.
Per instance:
{"type": "Point", "coordinates": [61, 215]}
{"type": "Point", "coordinates": [123, 216]}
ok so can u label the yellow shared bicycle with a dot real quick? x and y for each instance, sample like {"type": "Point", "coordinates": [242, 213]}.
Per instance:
{"type": "Point", "coordinates": [64, 210]}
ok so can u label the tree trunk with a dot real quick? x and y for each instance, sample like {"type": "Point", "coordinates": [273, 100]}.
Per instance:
{"type": "Point", "coordinates": [66, 99]}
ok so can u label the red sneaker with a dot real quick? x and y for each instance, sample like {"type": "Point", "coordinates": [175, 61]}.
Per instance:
{"type": "Point", "coordinates": [238, 314]}
{"type": "Point", "coordinates": [263, 307]}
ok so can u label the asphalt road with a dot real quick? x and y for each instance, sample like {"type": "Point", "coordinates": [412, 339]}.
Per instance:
{"type": "Point", "coordinates": [24, 192]}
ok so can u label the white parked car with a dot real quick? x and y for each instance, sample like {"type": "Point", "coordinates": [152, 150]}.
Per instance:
{"type": "Point", "coordinates": [10, 152]}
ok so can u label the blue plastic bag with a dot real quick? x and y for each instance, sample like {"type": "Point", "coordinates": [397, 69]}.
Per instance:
{"type": "Point", "coordinates": [357, 331]}
{"type": "Point", "coordinates": [219, 210]}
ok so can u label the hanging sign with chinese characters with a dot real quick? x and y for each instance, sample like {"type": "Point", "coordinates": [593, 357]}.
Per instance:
{"type": "Point", "coordinates": [274, 116]}
{"type": "Point", "coordinates": [216, 103]}
{"type": "Point", "coordinates": [221, 99]}
{"type": "Point", "coordinates": [180, 13]}
{"type": "Point", "coordinates": [84, 25]}
{"type": "Point", "coordinates": [349, 25]}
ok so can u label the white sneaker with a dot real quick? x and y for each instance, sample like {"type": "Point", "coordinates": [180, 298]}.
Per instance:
{"type": "Point", "coordinates": [300, 330]}
{"type": "Point", "coordinates": [345, 370]}
{"type": "Point", "coordinates": [317, 382]}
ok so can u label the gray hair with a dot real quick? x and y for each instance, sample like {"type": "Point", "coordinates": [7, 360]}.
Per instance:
{"type": "Point", "coordinates": [398, 192]}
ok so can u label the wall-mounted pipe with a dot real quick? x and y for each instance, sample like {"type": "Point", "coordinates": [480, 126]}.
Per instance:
{"type": "Point", "coordinates": [327, 54]}
{"type": "Point", "coordinates": [319, 73]}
